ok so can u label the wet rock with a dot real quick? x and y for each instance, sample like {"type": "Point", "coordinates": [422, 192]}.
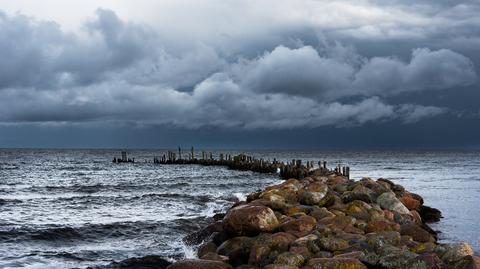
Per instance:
{"type": "Point", "coordinates": [259, 254]}
{"type": "Point", "coordinates": [289, 258]}
{"type": "Point", "coordinates": [299, 227]}
{"type": "Point", "coordinates": [350, 196]}
{"type": "Point", "coordinates": [147, 262]}
{"type": "Point", "coordinates": [212, 256]}
{"type": "Point", "coordinates": [410, 202]}
{"type": "Point", "coordinates": [280, 266]}
{"type": "Point", "coordinates": [335, 263]}
{"type": "Point", "coordinates": [237, 249]}
{"type": "Point", "coordinates": [389, 201]}
{"type": "Point", "coordinates": [333, 244]}
{"type": "Point", "coordinates": [430, 214]}
{"type": "Point", "coordinates": [199, 264]}
{"type": "Point", "coordinates": [321, 213]}
{"type": "Point", "coordinates": [418, 234]}
{"type": "Point", "coordinates": [379, 240]}
{"type": "Point", "coordinates": [311, 197]}
{"type": "Point", "coordinates": [281, 241]}
{"type": "Point", "coordinates": [250, 220]}
{"type": "Point", "coordinates": [381, 225]}
{"type": "Point", "coordinates": [427, 261]}
{"type": "Point", "coordinates": [206, 248]}
{"type": "Point", "coordinates": [394, 258]}
{"type": "Point", "coordinates": [467, 262]}
{"type": "Point", "coordinates": [457, 252]}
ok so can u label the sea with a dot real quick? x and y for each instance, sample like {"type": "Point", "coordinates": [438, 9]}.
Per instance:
{"type": "Point", "coordinates": [75, 208]}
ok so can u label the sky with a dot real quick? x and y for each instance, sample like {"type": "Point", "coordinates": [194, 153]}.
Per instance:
{"type": "Point", "coordinates": [347, 74]}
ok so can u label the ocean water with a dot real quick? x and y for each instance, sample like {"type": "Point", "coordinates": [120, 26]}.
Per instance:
{"type": "Point", "coordinates": [74, 208]}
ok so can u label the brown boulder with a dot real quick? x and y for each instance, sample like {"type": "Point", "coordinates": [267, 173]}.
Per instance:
{"type": "Point", "coordinates": [381, 225]}
{"type": "Point", "coordinates": [300, 226]}
{"type": "Point", "coordinates": [410, 202]}
{"type": "Point", "coordinates": [336, 263]}
{"type": "Point", "coordinates": [416, 232]}
{"type": "Point", "coordinates": [468, 262]}
{"type": "Point", "coordinates": [250, 220]}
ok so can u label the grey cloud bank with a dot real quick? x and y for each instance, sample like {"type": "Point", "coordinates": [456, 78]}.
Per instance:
{"type": "Point", "coordinates": [309, 69]}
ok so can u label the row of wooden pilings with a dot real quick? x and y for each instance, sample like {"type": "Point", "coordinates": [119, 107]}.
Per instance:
{"type": "Point", "coordinates": [293, 169]}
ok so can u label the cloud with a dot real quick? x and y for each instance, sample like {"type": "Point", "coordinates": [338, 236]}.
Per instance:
{"type": "Point", "coordinates": [120, 71]}
{"type": "Point", "coordinates": [415, 113]}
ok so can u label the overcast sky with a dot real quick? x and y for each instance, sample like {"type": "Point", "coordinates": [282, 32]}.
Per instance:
{"type": "Point", "coordinates": [273, 74]}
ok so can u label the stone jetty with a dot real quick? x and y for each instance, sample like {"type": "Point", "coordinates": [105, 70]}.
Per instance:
{"type": "Point", "coordinates": [293, 169]}
{"type": "Point", "coordinates": [327, 221]}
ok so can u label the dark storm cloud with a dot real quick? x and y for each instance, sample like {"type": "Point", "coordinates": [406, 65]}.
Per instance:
{"type": "Point", "coordinates": [114, 70]}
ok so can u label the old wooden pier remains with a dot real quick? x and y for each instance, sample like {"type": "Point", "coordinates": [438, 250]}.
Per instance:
{"type": "Point", "coordinates": [293, 169]}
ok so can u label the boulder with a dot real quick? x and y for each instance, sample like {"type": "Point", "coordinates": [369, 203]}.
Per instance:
{"type": "Point", "coordinates": [389, 201]}
{"type": "Point", "coordinates": [320, 213]}
{"type": "Point", "coordinates": [332, 243]}
{"type": "Point", "coordinates": [199, 264]}
{"type": "Point", "coordinates": [299, 227]}
{"type": "Point", "coordinates": [430, 214]}
{"type": "Point", "coordinates": [212, 256]}
{"type": "Point", "coordinates": [381, 225]}
{"type": "Point", "coordinates": [147, 262]}
{"type": "Point", "coordinates": [410, 202]}
{"type": "Point", "coordinates": [427, 261]}
{"type": "Point", "coordinates": [467, 262]}
{"type": "Point", "coordinates": [457, 252]}
{"type": "Point", "coordinates": [280, 266]}
{"type": "Point", "coordinates": [335, 263]}
{"type": "Point", "coordinates": [416, 232]}
{"type": "Point", "coordinates": [237, 249]}
{"type": "Point", "coordinates": [250, 220]}
{"type": "Point", "coordinates": [289, 258]}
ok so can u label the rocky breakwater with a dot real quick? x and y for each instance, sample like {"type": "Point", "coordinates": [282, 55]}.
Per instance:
{"type": "Point", "coordinates": [327, 222]}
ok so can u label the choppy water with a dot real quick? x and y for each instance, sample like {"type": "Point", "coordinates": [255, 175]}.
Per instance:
{"type": "Point", "coordinates": [74, 208]}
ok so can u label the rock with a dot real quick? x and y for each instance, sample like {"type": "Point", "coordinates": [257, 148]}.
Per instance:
{"type": "Point", "coordinates": [348, 197]}
{"type": "Point", "coordinates": [381, 225]}
{"type": "Point", "coordinates": [259, 254]}
{"type": "Point", "coordinates": [333, 243]}
{"type": "Point", "coordinates": [199, 264]}
{"type": "Point", "coordinates": [410, 202]}
{"type": "Point", "coordinates": [335, 263]}
{"type": "Point", "coordinates": [299, 227]}
{"type": "Point", "coordinates": [423, 248]}
{"type": "Point", "coordinates": [427, 261]}
{"type": "Point", "coordinates": [212, 256]}
{"type": "Point", "coordinates": [206, 248]}
{"type": "Point", "coordinates": [311, 197]}
{"type": "Point", "coordinates": [393, 257]}
{"type": "Point", "coordinates": [280, 266]}
{"type": "Point", "coordinates": [467, 262]}
{"type": "Point", "coordinates": [457, 252]}
{"type": "Point", "coordinates": [430, 214]}
{"type": "Point", "coordinates": [147, 262]}
{"type": "Point", "coordinates": [289, 258]}
{"type": "Point", "coordinates": [378, 240]}
{"type": "Point", "coordinates": [321, 213]}
{"type": "Point", "coordinates": [389, 201]}
{"type": "Point", "coordinates": [237, 249]}
{"type": "Point", "coordinates": [281, 241]}
{"type": "Point", "coordinates": [418, 234]}
{"type": "Point", "coordinates": [250, 220]}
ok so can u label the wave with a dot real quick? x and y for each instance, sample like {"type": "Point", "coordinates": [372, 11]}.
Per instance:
{"type": "Point", "coordinates": [100, 232]}
{"type": "Point", "coordinates": [9, 201]}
